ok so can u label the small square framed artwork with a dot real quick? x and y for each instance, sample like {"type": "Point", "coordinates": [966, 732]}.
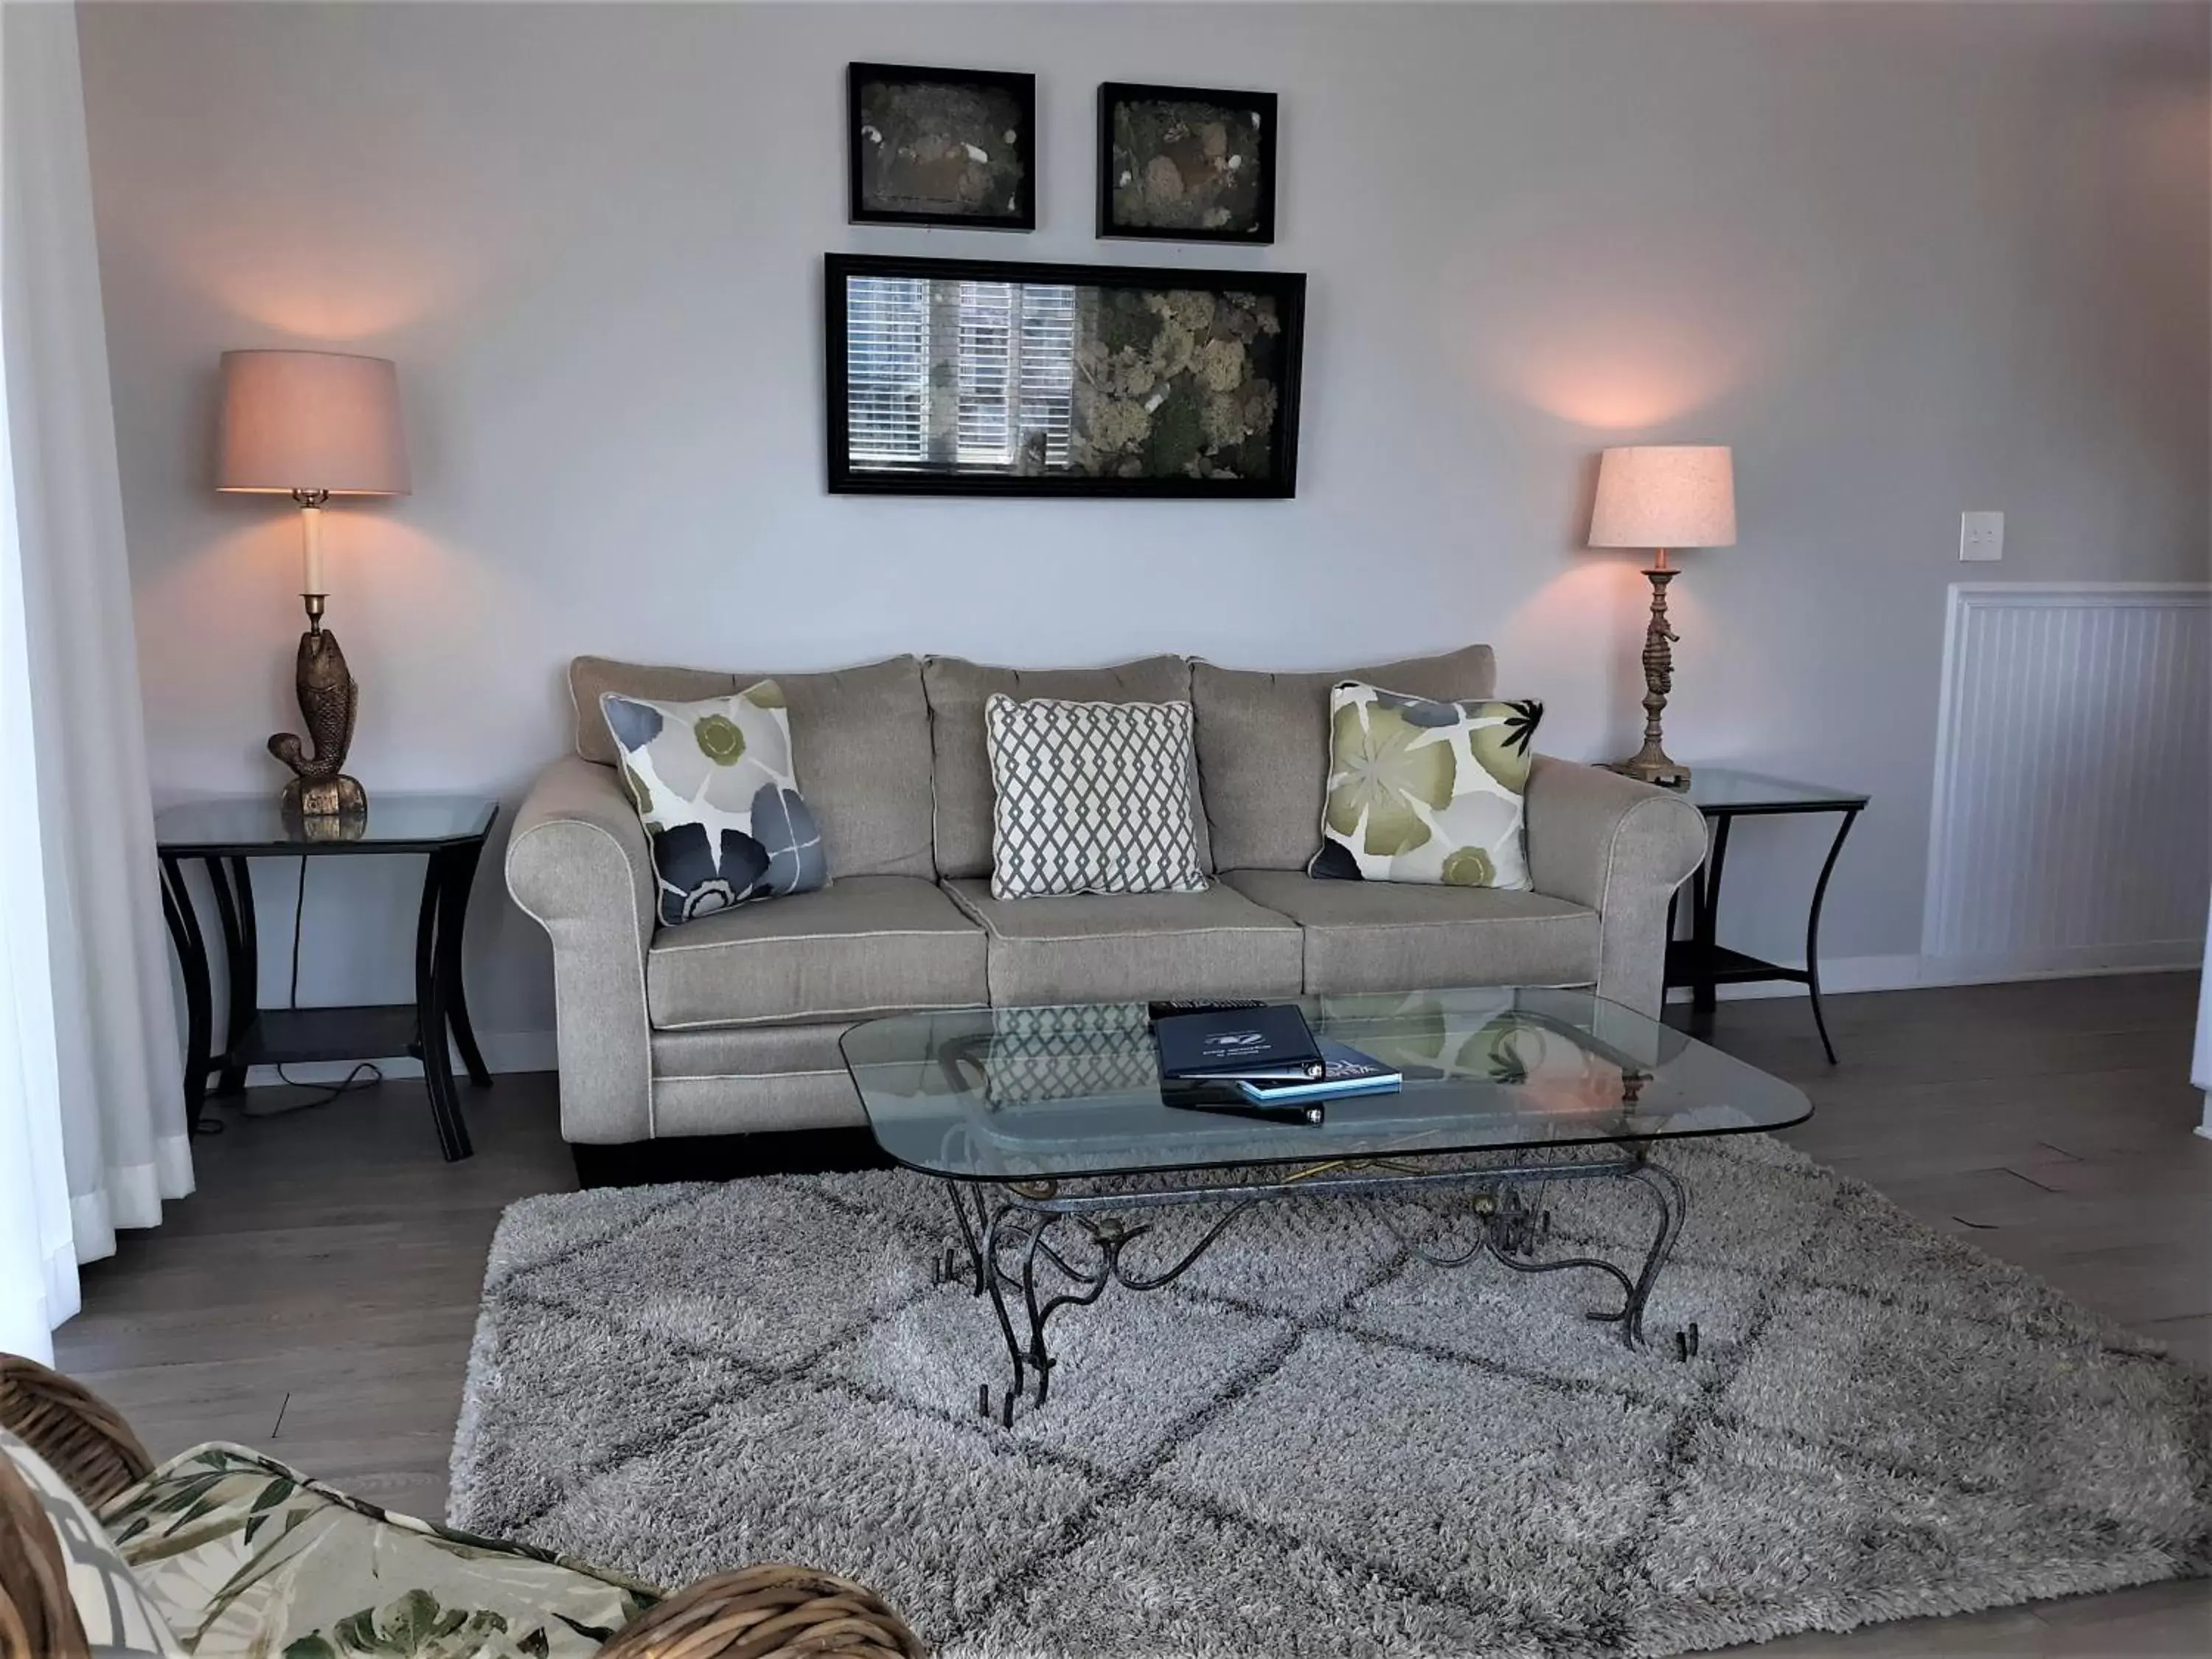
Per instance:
{"type": "Point", "coordinates": [941, 147]}
{"type": "Point", "coordinates": [1186, 164]}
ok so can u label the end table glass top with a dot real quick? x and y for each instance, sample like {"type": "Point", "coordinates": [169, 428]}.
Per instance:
{"type": "Point", "coordinates": [1726, 789]}
{"type": "Point", "coordinates": [1015, 1094]}
{"type": "Point", "coordinates": [246, 823]}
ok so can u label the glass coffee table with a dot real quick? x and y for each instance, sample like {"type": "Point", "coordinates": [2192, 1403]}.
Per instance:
{"type": "Point", "coordinates": [1052, 1136]}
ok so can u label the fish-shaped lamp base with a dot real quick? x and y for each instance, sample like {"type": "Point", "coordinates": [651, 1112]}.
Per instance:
{"type": "Point", "coordinates": [331, 805]}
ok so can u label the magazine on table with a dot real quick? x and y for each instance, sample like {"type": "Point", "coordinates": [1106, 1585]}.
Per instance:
{"type": "Point", "coordinates": [1345, 1072]}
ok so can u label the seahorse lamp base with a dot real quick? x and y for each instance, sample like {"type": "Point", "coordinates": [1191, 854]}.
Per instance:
{"type": "Point", "coordinates": [1651, 763]}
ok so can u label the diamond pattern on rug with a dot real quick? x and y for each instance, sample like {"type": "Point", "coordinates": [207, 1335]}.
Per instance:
{"type": "Point", "coordinates": [788, 1296]}
{"type": "Point", "coordinates": [795, 1473]}
{"type": "Point", "coordinates": [2110, 1432]}
{"type": "Point", "coordinates": [546, 1381]}
{"type": "Point", "coordinates": [1367, 1463]}
{"type": "Point", "coordinates": [1305, 1261]}
{"type": "Point", "coordinates": [1151, 1576]}
{"type": "Point", "coordinates": [1917, 1267]}
{"type": "Point", "coordinates": [539, 1230]}
{"type": "Point", "coordinates": [1318, 1444]}
{"type": "Point", "coordinates": [1107, 1416]}
{"type": "Point", "coordinates": [1092, 798]}
{"type": "Point", "coordinates": [1539, 1324]}
{"type": "Point", "coordinates": [1769, 1534]}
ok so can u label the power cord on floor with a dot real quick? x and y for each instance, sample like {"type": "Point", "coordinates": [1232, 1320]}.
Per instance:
{"type": "Point", "coordinates": [354, 1078]}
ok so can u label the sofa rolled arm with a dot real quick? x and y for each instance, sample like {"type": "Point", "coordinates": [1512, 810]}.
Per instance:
{"type": "Point", "coordinates": [1621, 847]}
{"type": "Point", "coordinates": [768, 1611]}
{"type": "Point", "coordinates": [579, 865]}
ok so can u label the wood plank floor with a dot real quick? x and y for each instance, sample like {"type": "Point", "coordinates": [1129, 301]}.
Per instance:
{"type": "Point", "coordinates": [317, 1295]}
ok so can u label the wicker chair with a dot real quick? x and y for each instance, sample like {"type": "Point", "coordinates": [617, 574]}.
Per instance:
{"type": "Point", "coordinates": [769, 1612]}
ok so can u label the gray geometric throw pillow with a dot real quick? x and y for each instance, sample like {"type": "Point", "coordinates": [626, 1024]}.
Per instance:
{"type": "Point", "coordinates": [1092, 798]}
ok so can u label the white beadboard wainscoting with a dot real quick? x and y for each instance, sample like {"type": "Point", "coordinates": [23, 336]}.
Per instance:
{"type": "Point", "coordinates": [2071, 826]}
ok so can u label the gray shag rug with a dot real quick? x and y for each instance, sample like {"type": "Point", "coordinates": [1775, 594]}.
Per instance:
{"type": "Point", "coordinates": [1317, 1444]}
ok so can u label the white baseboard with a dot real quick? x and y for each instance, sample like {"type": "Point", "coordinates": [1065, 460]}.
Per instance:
{"type": "Point", "coordinates": [503, 1051]}
{"type": "Point", "coordinates": [1839, 975]}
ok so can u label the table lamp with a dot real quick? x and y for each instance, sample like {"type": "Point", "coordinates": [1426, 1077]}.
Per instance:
{"type": "Point", "coordinates": [312, 425]}
{"type": "Point", "coordinates": [1662, 496]}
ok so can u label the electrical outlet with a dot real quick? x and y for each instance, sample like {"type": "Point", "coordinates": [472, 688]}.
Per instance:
{"type": "Point", "coordinates": [1981, 536]}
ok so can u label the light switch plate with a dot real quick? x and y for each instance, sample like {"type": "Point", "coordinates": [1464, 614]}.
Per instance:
{"type": "Point", "coordinates": [1981, 536]}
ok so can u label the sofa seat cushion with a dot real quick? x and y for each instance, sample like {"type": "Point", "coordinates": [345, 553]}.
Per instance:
{"type": "Point", "coordinates": [869, 944]}
{"type": "Point", "coordinates": [1388, 936]}
{"type": "Point", "coordinates": [1128, 947]}
{"type": "Point", "coordinates": [243, 1555]}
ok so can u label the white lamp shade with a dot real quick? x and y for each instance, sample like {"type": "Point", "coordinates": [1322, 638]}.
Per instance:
{"type": "Point", "coordinates": [1659, 496]}
{"type": "Point", "coordinates": [311, 420]}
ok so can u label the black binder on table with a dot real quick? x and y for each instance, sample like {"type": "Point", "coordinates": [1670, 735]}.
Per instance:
{"type": "Point", "coordinates": [1264, 1043]}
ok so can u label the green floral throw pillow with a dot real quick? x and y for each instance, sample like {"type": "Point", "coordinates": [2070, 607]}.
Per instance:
{"type": "Point", "coordinates": [713, 785]}
{"type": "Point", "coordinates": [1420, 791]}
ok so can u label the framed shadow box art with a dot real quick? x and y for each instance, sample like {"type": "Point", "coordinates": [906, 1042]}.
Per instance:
{"type": "Point", "coordinates": [1186, 164]}
{"type": "Point", "coordinates": [992, 378]}
{"type": "Point", "coordinates": [941, 147]}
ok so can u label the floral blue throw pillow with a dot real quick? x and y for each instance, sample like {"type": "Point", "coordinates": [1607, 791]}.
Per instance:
{"type": "Point", "coordinates": [713, 785]}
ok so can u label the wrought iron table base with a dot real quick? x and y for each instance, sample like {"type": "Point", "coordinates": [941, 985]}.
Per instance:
{"type": "Point", "coordinates": [1003, 1245]}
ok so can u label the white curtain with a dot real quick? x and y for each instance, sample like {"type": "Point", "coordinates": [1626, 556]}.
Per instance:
{"type": "Point", "coordinates": [86, 974]}
{"type": "Point", "coordinates": [38, 1260]}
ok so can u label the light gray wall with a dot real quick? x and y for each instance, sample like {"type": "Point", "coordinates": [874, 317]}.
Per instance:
{"type": "Point", "coordinates": [1908, 260]}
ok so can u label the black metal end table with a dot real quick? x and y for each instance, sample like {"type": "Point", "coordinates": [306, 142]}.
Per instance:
{"type": "Point", "coordinates": [224, 834]}
{"type": "Point", "coordinates": [1701, 962]}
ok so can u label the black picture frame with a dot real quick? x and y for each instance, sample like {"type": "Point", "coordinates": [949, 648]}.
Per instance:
{"type": "Point", "coordinates": [1112, 94]}
{"type": "Point", "coordinates": [1020, 88]}
{"type": "Point", "coordinates": [1286, 290]}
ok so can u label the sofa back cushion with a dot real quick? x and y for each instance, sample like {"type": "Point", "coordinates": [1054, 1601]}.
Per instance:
{"type": "Point", "coordinates": [1263, 747]}
{"type": "Point", "coordinates": [957, 690]}
{"type": "Point", "coordinates": [859, 743]}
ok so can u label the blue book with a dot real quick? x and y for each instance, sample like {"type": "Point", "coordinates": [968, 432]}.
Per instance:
{"type": "Point", "coordinates": [1346, 1072]}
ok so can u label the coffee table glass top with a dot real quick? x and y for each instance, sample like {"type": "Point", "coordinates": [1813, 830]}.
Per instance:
{"type": "Point", "coordinates": [1020, 1094]}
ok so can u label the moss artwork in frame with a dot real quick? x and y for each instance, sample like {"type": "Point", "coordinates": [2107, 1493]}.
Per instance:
{"type": "Point", "coordinates": [941, 147]}
{"type": "Point", "coordinates": [999, 377]}
{"type": "Point", "coordinates": [1186, 164]}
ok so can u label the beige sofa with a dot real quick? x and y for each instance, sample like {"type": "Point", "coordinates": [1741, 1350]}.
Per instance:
{"type": "Point", "coordinates": [730, 1024]}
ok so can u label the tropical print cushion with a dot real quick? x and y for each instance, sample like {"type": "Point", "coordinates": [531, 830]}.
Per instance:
{"type": "Point", "coordinates": [1425, 791]}
{"type": "Point", "coordinates": [243, 1556]}
{"type": "Point", "coordinates": [118, 1618]}
{"type": "Point", "coordinates": [713, 784]}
